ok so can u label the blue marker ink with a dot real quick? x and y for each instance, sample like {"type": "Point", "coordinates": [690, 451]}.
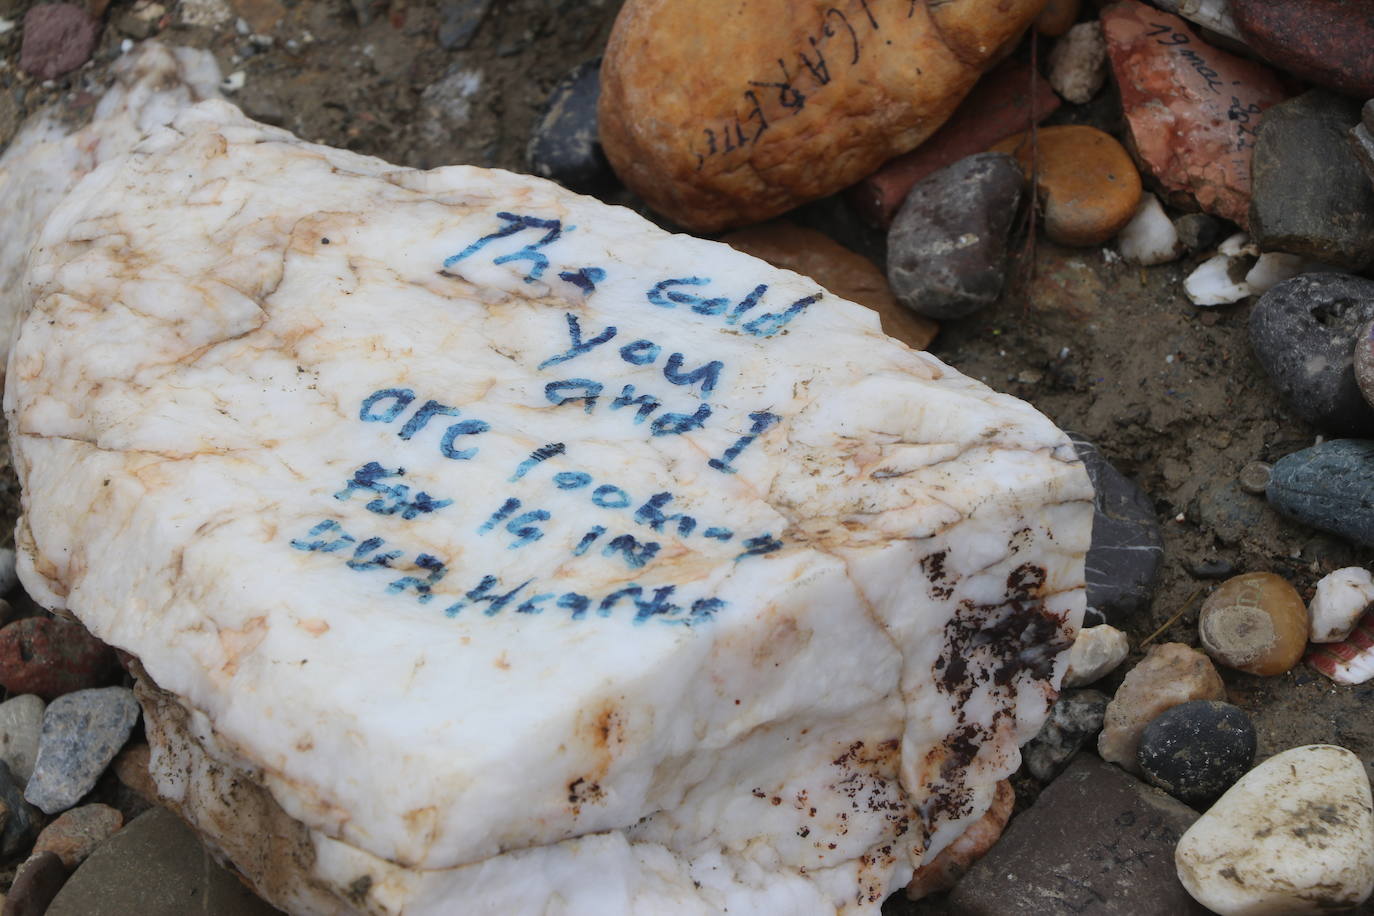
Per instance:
{"type": "Point", "coordinates": [500, 515]}
{"type": "Point", "coordinates": [485, 591]}
{"type": "Point", "coordinates": [758, 546]}
{"type": "Point", "coordinates": [571, 480]}
{"type": "Point", "coordinates": [517, 223]}
{"type": "Point", "coordinates": [423, 587]}
{"type": "Point", "coordinates": [646, 403]}
{"type": "Point", "coordinates": [378, 561]}
{"type": "Point", "coordinates": [319, 543]}
{"type": "Point", "coordinates": [579, 346]}
{"type": "Point", "coordinates": [675, 424]}
{"type": "Point", "coordinates": [587, 540]}
{"type": "Point", "coordinates": [762, 421]}
{"type": "Point", "coordinates": [463, 428]}
{"type": "Point", "coordinates": [650, 514]}
{"type": "Point", "coordinates": [584, 278]}
{"type": "Point", "coordinates": [390, 499]}
{"type": "Point", "coordinates": [402, 397]}
{"type": "Point", "coordinates": [531, 605]}
{"type": "Point", "coordinates": [719, 534]}
{"type": "Point", "coordinates": [706, 375]}
{"type": "Point", "coordinates": [635, 553]}
{"type": "Point", "coordinates": [640, 352]}
{"type": "Point", "coordinates": [576, 603]}
{"type": "Point", "coordinates": [523, 527]}
{"type": "Point", "coordinates": [609, 496]}
{"type": "Point", "coordinates": [543, 453]}
{"type": "Point", "coordinates": [660, 295]}
{"type": "Point", "coordinates": [770, 324]}
{"type": "Point", "coordinates": [589, 388]}
{"type": "Point", "coordinates": [418, 419]}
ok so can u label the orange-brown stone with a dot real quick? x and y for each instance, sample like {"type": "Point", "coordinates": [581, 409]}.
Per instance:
{"type": "Point", "coordinates": [1192, 109]}
{"type": "Point", "coordinates": [845, 273]}
{"type": "Point", "coordinates": [1255, 623]}
{"type": "Point", "coordinates": [1057, 18]}
{"type": "Point", "coordinates": [721, 113]}
{"type": "Point", "coordinates": [1087, 185]}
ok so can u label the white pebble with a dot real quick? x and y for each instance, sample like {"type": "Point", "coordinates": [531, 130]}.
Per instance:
{"type": "Point", "coordinates": [1150, 237]}
{"type": "Point", "coordinates": [1095, 654]}
{"type": "Point", "coordinates": [1078, 62]}
{"type": "Point", "coordinates": [1340, 600]}
{"type": "Point", "coordinates": [1215, 282]}
{"type": "Point", "coordinates": [1294, 835]}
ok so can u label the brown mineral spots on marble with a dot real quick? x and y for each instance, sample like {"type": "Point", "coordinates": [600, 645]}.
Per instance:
{"type": "Point", "coordinates": [942, 872]}
{"type": "Point", "coordinates": [1192, 109]}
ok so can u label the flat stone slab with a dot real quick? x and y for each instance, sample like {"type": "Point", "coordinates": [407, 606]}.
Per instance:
{"type": "Point", "coordinates": [493, 532]}
{"type": "Point", "coordinates": [1095, 841]}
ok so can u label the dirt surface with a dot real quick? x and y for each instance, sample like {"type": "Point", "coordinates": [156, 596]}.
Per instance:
{"type": "Point", "coordinates": [1170, 392]}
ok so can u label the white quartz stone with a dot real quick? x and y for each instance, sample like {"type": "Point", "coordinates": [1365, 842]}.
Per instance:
{"type": "Point", "coordinates": [1095, 654]}
{"type": "Point", "coordinates": [1340, 600]}
{"type": "Point", "coordinates": [1078, 62]}
{"type": "Point", "coordinates": [49, 155]}
{"type": "Point", "coordinates": [495, 551]}
{"type": "Point", "coordinates": [1294, 835]}
{"type": "Point", "coordinates": [1150, 237]}
{"type": "Point", "coordinates": [21, 723]}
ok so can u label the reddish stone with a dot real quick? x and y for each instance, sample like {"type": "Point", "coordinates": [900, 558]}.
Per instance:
{"type": "Point", "coordinates": [58, 38]}
{"type": "Point", "coordinates": [52, 657]}
{"type": "Point", "coordinates": [1192, 109]}
{"type": "Point", "coordinates": [76, 833]}
{"type": "Point", "coordinates": [998, 107]}
{"type": "Point", "coordinates": [1330, 42]}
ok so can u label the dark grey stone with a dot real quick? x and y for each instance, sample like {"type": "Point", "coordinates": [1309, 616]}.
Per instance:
{"type": "Point", "coordinates": [1096, 841]}
{"type": "Point", "coordinates": [1197, 750]}
{"type": "Point", "coordinates": [1329, 486]}
{"type": "Point", "coordinates": [1226, 510]}
{"type": "Point", "coordinates": [1127, 546]}
{"type": "Point", "coordinates": [1303, 331]}
{"type": "Point", "coordinates": [1073, 721]}
{"type": "Point", "coordinates": [22, 821]}
{"type": "Point", "coordinates": [35, 885]}
{"type": "Point", "coordinates": [155, 866]}
{"type": "Point", "coordinates": [1362, 139]}
{"type": "Point", "coordinates": [564, 144]}
{"type": "Point", "coordinates": [459, 21]}
{"type": "Point", "coordinates": [82, 732]}
{"type": "Point", "coordinates": [1309, 194]}
{"type": "Point", "coordinates": [1198, 231]}
{"type": "Point", "coordinates": [1213, 568]}
{"type": "Point", "coordinates": [947, 248]}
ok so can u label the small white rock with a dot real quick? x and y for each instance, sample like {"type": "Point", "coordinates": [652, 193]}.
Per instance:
{"type": "Point", "coordinates": [1078, 63]}
{"type": "Point", "coordinates": [1150, 237]}
{"type": "Point", "coordinates": [1340, 600]}
{"type": "Point", "coordinates": [21, 723]}
{"type": "Point", "coordinates": [1216, 282]}
{"type": "Point", "coordinates": [1294, 835]}
{"type": "Point", "coordinates": [1273, 268]}
{"type": "Point", "coordinates": [1095, 654]}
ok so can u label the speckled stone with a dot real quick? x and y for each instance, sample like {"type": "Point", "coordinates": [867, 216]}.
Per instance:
{"type": "Point", "coordinates": [1074, 720]}
{"type": "Point", "coordinates": [564, 143]}
{"type": "Point", "coordinates": [1168, 675]}
{"type": "Point", "coordinates": [1329, 486]}
{"type": "Point", "coordinates": [75, 834]}
{"type": "Point", "coordinates": [1326, 42]}
{"type": "Point", "coordinates": [82, 732]}
{"type": "Point", "coordinates": [1196, 750]}
{"type": "Point", "coordinates": [947, 248]}
{"type": "Point", "coordinates": [1304, 332]}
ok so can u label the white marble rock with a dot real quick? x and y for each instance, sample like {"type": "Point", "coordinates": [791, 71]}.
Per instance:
{"type": "Point", "coordinates": [1096, 653]}
{"type": "Point", "coordinates": [1340, 600]}
{"type": "Point", "coordinates": [1294, 835]}
{"type": "Point", "coordinates": [491, 550]}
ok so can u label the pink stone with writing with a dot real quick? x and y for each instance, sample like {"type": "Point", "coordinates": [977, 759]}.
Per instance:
{"type": "Point", "coordinates": [1192, 109]}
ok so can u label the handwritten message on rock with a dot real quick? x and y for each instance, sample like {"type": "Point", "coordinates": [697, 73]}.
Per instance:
{"type": "Point", "coordinates": [792, 101]}
{"type": "Point", "coordinates": [485, 546]}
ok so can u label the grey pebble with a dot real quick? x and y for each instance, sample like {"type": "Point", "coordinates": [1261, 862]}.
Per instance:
{"type": "Point", "coordinates": [947, 248]}
{"type": "Point", "coordinates": [21, 722]}
{"type": "Point", "coordinates": [1073, 720]}
{"type": "Point", "coordinates": [1329, 486]}
{"type": "Point", "coordinates": [82, 732]}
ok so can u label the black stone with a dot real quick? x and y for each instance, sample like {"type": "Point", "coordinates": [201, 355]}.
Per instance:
{"type": "Point", "coordinates": [1073, 720]}
{"type": "Point", "coordinates": [1127, 546]}
{"type": "Point", "coordinates": [564, 145]}
{"type": "Point", "coordinates": [24, 821]}
{"type": "Point", "coordinates": [1230, 513]}
{"type": "Point", "coordinates": [1309, 195]}
{"type": "Point", "coordinates": [1329, 486]}
{"type": "Point", "coordinates": [1197, 750]}
{"type": "Point", "coordinates": [1095, 841]}
{"type": "Point", "coordinates": [459, 21]}
{"type": "Point", "coordinates": [1303, 331]}
{"type": "Point", "coordinates": [947, 248]}
{"type": "Point", "coordinates": [1211, 569]}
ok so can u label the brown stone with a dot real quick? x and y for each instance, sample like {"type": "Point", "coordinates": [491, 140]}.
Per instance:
{"type": "Point", "coordinates": [1255, 623]}
{"type": "Point", "coordinates": [1087, 185]}
{"type": "Point", "coordinates": [1000, 105]}
{"type": "Point", "coordinates": [845, 273]}
{"type": "Point", "coordinates": [945, 870]}
{"type": "Point", "coordinates": [1057, 17]}
{"type": "Point", "coordinates": [1168, 675]}
{"type": "Point", "coordinates": [1329, 42]}
{"type": "Point", "coordinates": [36, 883]}
{"type": "Point", "coordinates": [131, 768]}
{"type": "Point", "coordinates": [75, 834]}
{"type": "Point", "coordinates": [726, 112]}
{"type": "Point", "coordinates": [1192, 109]}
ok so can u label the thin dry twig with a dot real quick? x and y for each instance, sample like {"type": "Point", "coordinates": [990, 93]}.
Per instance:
{"type": "Point", "coordinates": [1174, 619]}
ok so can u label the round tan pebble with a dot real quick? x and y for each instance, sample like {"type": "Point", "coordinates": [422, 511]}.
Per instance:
{"type": "Point", "coordinates": [1057, 18]}
{"type": "Point", "coordinates": [1087, 185]}
{"type": "Point", "coordinates": [1255, 623]}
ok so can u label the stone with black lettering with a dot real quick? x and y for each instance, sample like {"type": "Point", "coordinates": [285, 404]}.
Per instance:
{"type": "Point", "coordinates": [638, 541]}
{"type": "Point", "coordinates": [792, 102]}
